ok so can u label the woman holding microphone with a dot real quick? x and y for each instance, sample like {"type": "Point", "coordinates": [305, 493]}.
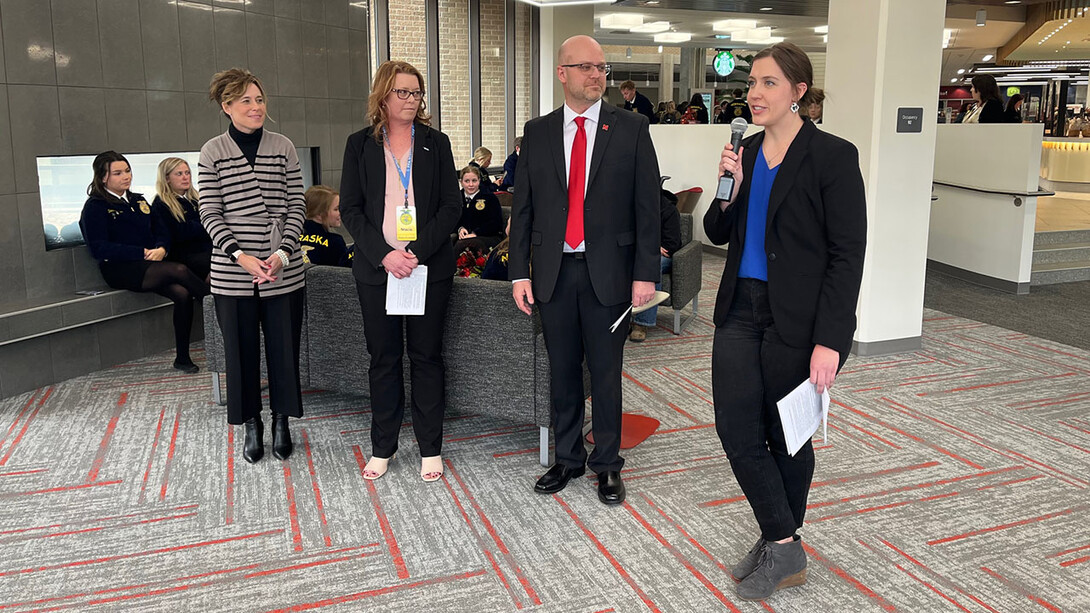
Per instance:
{"type": "Point", "coordinates": [400, 202]}
{"type": "Point", "coordinates": [785, 312]}
{"type": "Point", "coordinates": [252, 207]}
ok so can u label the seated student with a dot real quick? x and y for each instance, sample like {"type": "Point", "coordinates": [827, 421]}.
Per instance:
{"type": "Point", "coordinates": [482, 157]}
{"type": "Point", "coordinates": [176, 209]}
{"type": "Point", "coordinates": [509, 166]}
{"type": "Point", "coordinates": [481, 224]}
{"type": "Point", "coordinates": [670, 233]}
{"type": "Point", "coordinates": [670, 114]}
{"type": "Point", "coordinates": [496, 266]}
{"type": "Point", "coordinates": [130, 245]}
{"type": "Point", "coordinates": [319, 243]}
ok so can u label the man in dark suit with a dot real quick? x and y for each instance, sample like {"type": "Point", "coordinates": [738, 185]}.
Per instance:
{"type": "Point", "coordinates": [635, 101]}
{"type": "Point", "coordinates": [586, 220]}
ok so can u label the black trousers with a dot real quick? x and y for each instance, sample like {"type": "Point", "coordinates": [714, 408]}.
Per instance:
{"type": "Point", "coordinates": [280, 319]}
{"type": "Point", "coordinates": [386, 343]}
{"type": "Point", "coordinates": [752, 368]}
{"type": "Point", "coordinates": [575, 324]}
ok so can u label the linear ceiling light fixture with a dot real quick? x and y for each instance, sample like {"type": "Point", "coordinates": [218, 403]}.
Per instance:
{"type": "Point", "coordinates": [673, 37]}
{"type": "Point", "coordinates": [733, 25]}
{"type": "Point", "coordinates": [618, 21]}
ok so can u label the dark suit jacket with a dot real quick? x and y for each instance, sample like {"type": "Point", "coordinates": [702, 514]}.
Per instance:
{"type": "Point", "coordinates": [642, 105]}
{"type": "Point", "coordinates": [992, 112]}
{"type": "Point", "coordinates": [815, 239]}
{"type": "Point", "coordinates": [620, 210]}
{"type": "Point", "coordinates": [363, 202]}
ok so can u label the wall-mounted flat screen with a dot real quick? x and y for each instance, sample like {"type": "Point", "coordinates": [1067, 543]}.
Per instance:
{"type": "Point", "coordinates": [63, 181]}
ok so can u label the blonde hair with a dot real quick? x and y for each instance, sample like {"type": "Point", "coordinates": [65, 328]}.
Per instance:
{"type": "Point", "coordinates": [166, 194]}
{"type": "Point", "coordinates": [319, 199]}
{"type": "Point", "coordinates": [480, 154]}
{"type": "Point", "coordinates": [381, 87]}
{"type": "Point", "coordinates": [231, 84]}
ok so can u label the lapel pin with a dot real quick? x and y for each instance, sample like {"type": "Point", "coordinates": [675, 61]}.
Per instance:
{"type": "Point", "coordinates": [605, 127]}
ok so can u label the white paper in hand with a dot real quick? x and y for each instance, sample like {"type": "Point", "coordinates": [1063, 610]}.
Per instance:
{"type": "Point", "coordinates": [406, 296]}
{"type": "Point", "coordinates": [801, 412]}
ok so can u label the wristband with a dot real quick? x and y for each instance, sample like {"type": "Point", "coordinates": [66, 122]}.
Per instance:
{"type": "Point", "coordinates": [283, 257]}
{"type": "Point", "coordinates": [236, 255]}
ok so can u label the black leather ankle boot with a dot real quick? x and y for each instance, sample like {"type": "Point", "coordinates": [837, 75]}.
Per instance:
{"type": "Point", "coordinates": [282, 446]}
{"type": "Point", "coordinates": [253, 447]}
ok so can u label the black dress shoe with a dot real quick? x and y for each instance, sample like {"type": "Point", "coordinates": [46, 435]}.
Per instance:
{"type": "Point", "coordinates": [188, 367]}
{"type": "Point", "coordinates": [610, 487]}
{"type": "Point", "coordinates": [281, 445]}
{"type": "Point", "coordinates": [556, 478]}
{"type": "Point", "coordinates": [253, 446]}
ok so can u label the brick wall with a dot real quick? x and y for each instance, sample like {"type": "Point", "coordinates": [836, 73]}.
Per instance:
{"type": "Point", "coordinates": [493, 79]}
{"type": "Point", "coordinates": [454, 76]}
{"type": "Point", "coordinates": [522, 66]}
{"type": "Point", "coordinates": [408, 33]}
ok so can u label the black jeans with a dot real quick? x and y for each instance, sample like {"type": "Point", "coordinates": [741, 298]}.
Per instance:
{"type": "Point", "coordinates": [243, 322]}
{"type": "Point", "coordinates": [423, 335]}
{"type": "Point", "coordinates": [752, 368]}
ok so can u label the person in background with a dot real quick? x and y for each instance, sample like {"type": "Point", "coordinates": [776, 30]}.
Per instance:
{"type": "Point", "coordinates": [509, 166]}
{"type": "Point", "coordinates": [130, 245]}
{"type": "Point", "coordinates": [670, 236]}
{"type": "Point", "coordinates": [700, 112]}
{"type": "Point", "coordinates": [1013, 113]}
{"type": "Point", "coordinates": [739, 108]}
{"type": "Point", "coordinates": [495, 267]}
{"type": "Point", "coordinates": [817, 105]}
{"type": "Point", "coordinates": [481, 223]}
{"type": "Point", "coordinates": [989, 104]}
{"type": "Point", "coordinates": [961, 113]}
{"type": "Point", "coordinates": [670, 114]}
{"type": "Point", "coordinates": [635, 101]}
{"type": "Point", "coordinates": [482, 158]}
{"type": "Point", "coordinates": [176, 206]}
{"type": "Point", "coordinates": [320, 244]}
{"type": "Point", "coordinates": [399, 162]}
{"type": "Point", "coordinates": [785, 311]}
{"type": "Point", "coordinates": [253, 208]}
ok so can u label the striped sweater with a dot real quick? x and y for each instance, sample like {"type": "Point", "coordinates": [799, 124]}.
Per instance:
{"type": "Point", "coordinates": [257, 209]}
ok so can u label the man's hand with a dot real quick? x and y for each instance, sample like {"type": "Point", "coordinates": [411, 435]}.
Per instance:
{"type": "Point", "coordinates": [524, 296]}
{"type": "Point", "coordinates": [823, 365]}
{"type": "Point", "coordinates": [400, 263]}
{"type": "Point", "coordinates": [642, 292]}
{"type": "Point", "coordinates": [257, 269]}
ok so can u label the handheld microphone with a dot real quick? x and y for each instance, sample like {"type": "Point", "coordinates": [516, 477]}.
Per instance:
{"type": "Point", "coordinates": [726, 182]}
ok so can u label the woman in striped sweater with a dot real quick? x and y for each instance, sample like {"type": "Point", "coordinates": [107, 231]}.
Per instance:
{"type": "Point", "coordinates": [252, 206]}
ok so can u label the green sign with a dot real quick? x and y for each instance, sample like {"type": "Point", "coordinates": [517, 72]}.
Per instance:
{"type": "Point", "coordinates": [1013, 90]}
{"type": "Point", "coordinates": [723, 63]}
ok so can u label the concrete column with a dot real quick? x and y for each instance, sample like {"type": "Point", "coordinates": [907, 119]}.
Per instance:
{"type": "Point", "coordinates": [685, 77]}
{"type": "Point", "coordinates": [557, 25]}
{"type": "Point", "coordinates": [882, 55]}
{"type": "Point", "coordinates": [666, 77]}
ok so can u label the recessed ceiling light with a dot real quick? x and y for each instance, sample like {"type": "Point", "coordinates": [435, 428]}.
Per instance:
{"type": "Point", "coordinates": [961, 71]}
{"type": "Point", "coordinates": [1013, 2]}
{"type": "Point", "coordinates": [766, 8]}
{"type": "Point", "coordinates": [987, 58]}
{"type": "Point", "coordinates": [821, 30]}
{"type": "Point", "coordinates": [953, 80]}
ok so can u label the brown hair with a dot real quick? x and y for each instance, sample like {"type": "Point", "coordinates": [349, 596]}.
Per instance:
{"type": "Point", "coordinates": [795, 65]}
{"type": "Point", "coordinates": [381, 87]}
{"type": "Point", "coordinates": [629, 84]}
{"type": "Point", "coordinates": [817, 95]}
{"type": "Point", "coordinates": [231, 84]}
{"type": "Point", "coordinates": [319, 199]}
{"type": "Point", "coordinates": [101, 166]}
{"type": "Point", "coordinates": [468, 169]}
{"type": "Point", "coordinates": [166, 194]}
{"type": "Point", "coordinates": [986, 86]}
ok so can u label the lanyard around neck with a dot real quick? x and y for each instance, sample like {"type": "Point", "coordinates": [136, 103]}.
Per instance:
{"type": "Point", "coordinates": [404, 176]}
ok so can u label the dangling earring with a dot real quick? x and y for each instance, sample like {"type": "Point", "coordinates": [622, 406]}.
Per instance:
{"type": "Point", "coordinates": [794, 107]}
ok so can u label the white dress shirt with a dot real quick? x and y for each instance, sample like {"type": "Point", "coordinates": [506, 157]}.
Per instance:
{"type": "Point", "coordinates": [124, 196]}
{"type": "Point", "coordinates": [590, 126]}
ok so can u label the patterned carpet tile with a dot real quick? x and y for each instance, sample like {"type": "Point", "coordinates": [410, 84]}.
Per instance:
{"type": "Point", "coordinates": [954, 478]}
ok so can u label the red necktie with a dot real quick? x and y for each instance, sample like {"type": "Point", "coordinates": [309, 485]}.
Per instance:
{"type": "Point", "coordinates": [577, 177]}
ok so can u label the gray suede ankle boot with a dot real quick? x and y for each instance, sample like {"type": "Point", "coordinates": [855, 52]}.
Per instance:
{"type": "Point", "coordinates": [746, 565]}
{"type": "Point", "coordinates": [778, 566]}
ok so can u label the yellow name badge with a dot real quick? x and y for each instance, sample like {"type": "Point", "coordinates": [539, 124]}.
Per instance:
{"type": "Point", "coordinates": [406, 223]}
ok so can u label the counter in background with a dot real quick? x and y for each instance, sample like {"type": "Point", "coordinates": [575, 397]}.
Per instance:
{"type": "Point", "coordinates": [986, 183]}
{"type": "Point", "coordinates": [1065, 164]}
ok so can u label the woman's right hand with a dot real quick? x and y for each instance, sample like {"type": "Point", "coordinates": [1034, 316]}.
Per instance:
{"type": "Point", "coordinates": [463, 233]}
{"type": "Point", "coordinates": [732, 162]}
{"type": "Point", "coordinates": [257, 268]}
{"type": "Point", "coordinates": [400, 263]}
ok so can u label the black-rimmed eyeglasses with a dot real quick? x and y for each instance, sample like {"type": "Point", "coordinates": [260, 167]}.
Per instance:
{"type": "Point", "coordinates": [588, 68]}
{"type": "Point", "coordinates": [404, 94]}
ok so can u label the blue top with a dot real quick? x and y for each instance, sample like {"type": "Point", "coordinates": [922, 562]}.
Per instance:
{"type": "Point", "coordinates": [754, 261]}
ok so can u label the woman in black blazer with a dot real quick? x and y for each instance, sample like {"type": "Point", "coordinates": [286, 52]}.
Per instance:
{"type": "Point", "coordinates": [177, 208]}
{"type": "Point", "coordinates": [395, 163]}
{"type": "Point", "coordinates": [986, 94]}
{"type": "Point", "coordinates": [785, 312]}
